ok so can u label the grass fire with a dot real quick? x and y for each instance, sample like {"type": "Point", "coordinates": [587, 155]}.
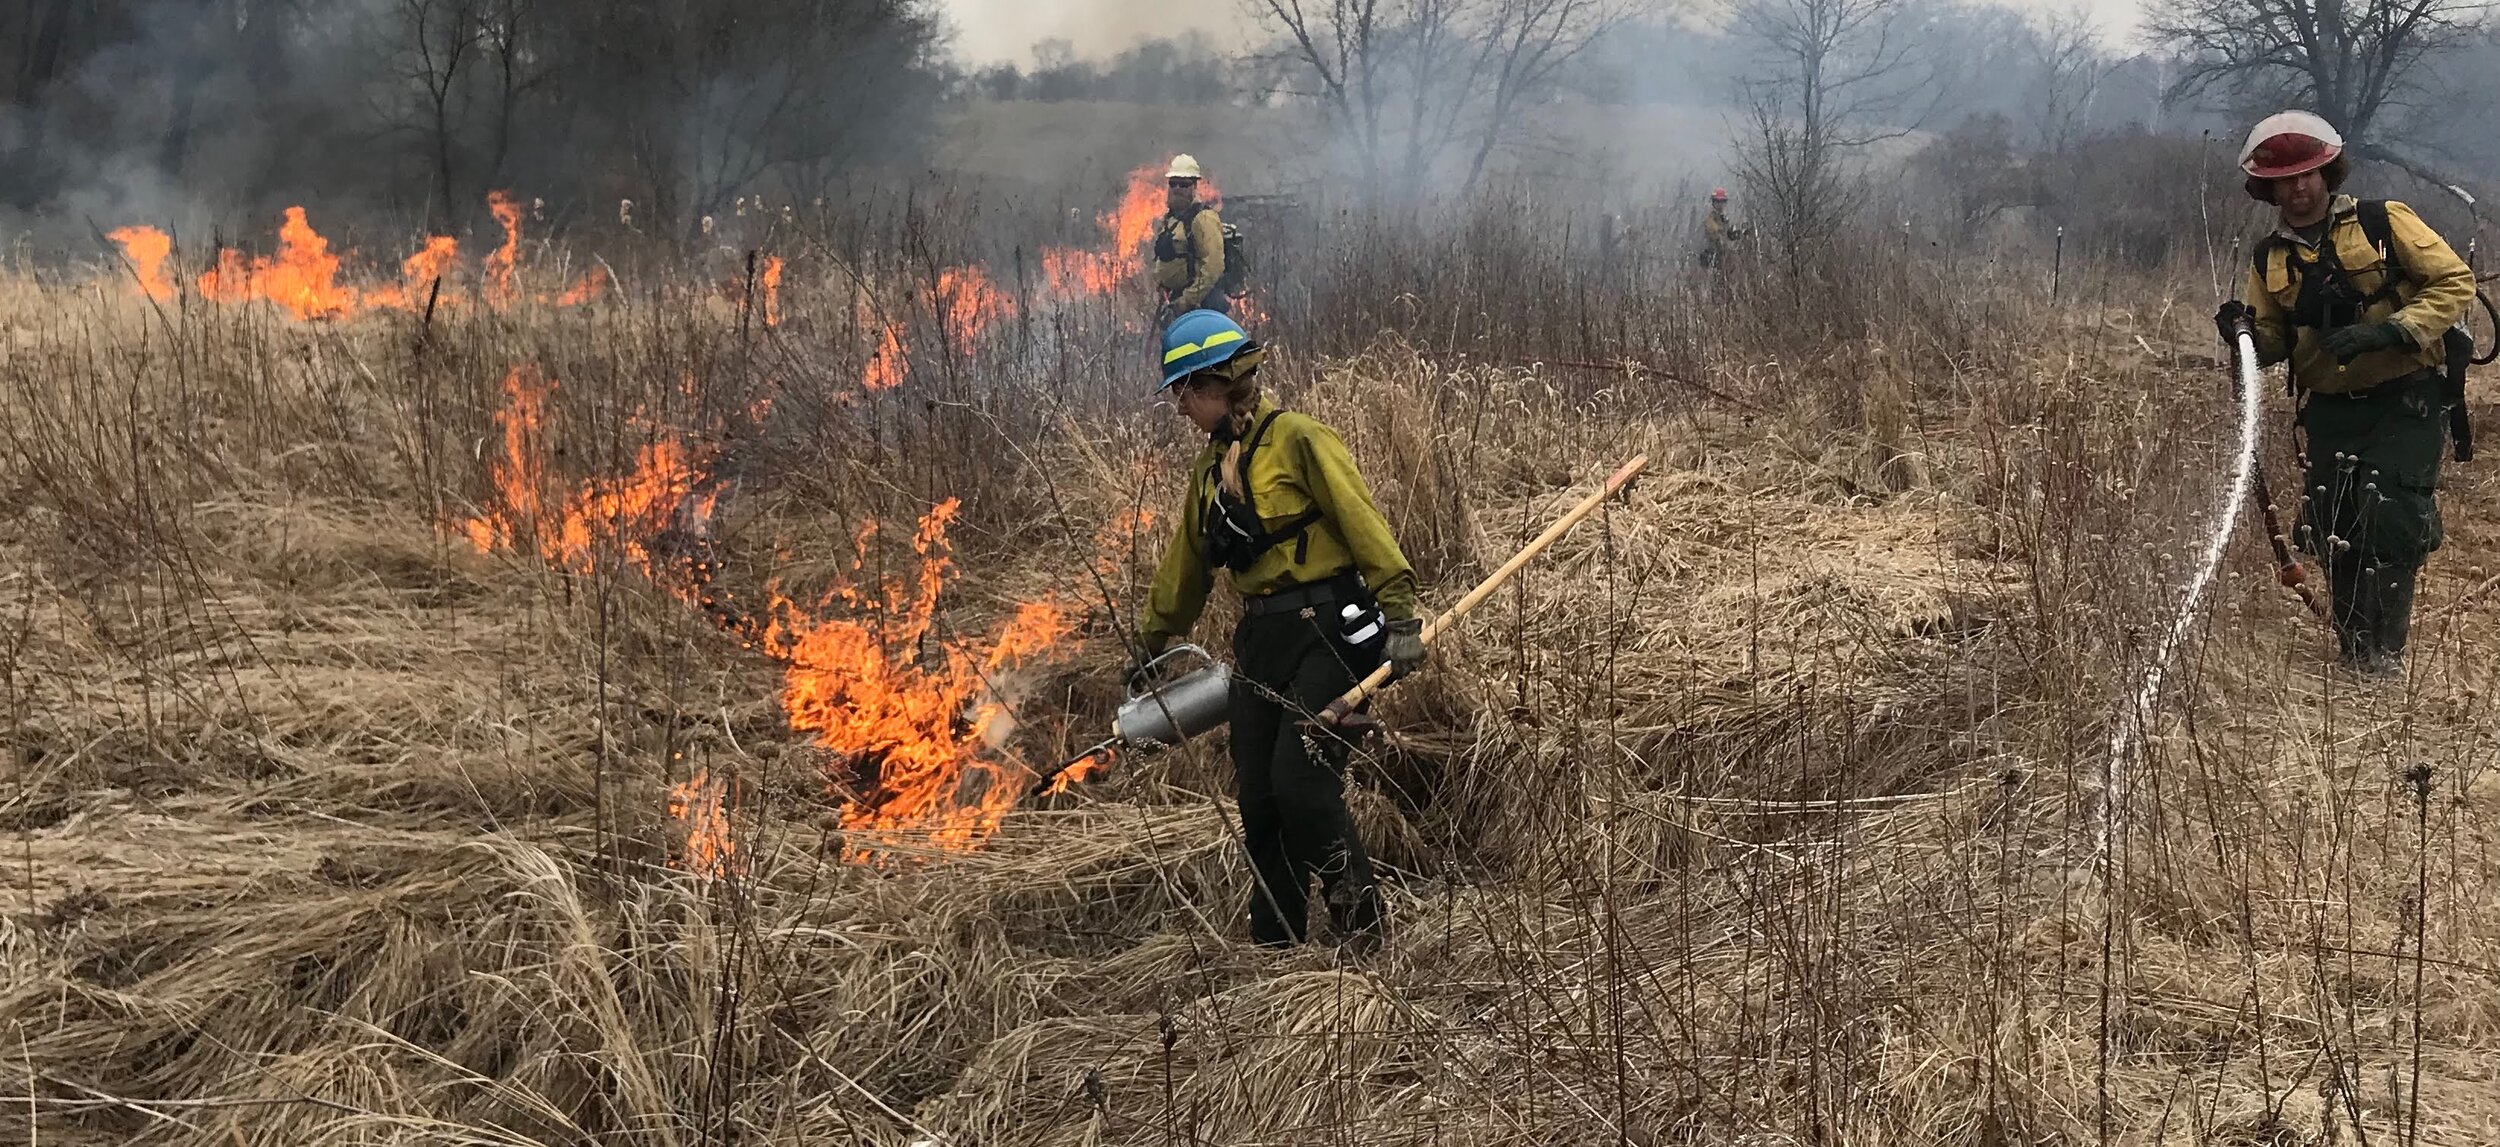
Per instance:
{"type": "Point", "coordinates": [800, 589]}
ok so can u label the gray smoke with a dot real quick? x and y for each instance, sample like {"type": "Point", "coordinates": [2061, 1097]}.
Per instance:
{"type": "Point", "coordinates": [199, 115]}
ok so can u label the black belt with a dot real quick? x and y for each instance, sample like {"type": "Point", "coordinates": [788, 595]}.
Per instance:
{"type": "Point", "coordinates": [1340, 588]}
{"type": "Point", "coordinates": [2427, 376]}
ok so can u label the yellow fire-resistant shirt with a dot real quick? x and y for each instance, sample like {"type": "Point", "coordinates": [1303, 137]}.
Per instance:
{"type": "Point", "coordinates": [2432, 292]}
{"type": "Point", "coordinates": [1300, 465]}
{"type": "Point", "coordinates": [1204, 236]}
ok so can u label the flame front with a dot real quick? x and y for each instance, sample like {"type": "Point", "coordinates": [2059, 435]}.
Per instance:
{"type": "Point", "coordinates": [421, 277]}
{"type": "Point", "coordinates": [918, 735]}
{"type": "Point", "coordinates": [1080, 771]}
{"type": "Point", "coordinates": [772, 291]}
{"type": "Point", "coordinates": [1127, 229]}
{"type": "Point", "coordinates": [303, 278]}
{"type": "Point", "coordinates": [589, 289]}
{"type": "Point", "coordinates": [147, 249]}
{"type": "Point", "coordinates": [664, 498]}
{"type": "Point", "coordinates": [970, 303]}
{"type": "Point", "coordinates": [887, 368]}
{"type": "Point", "coordinates": [516, 475]}
{"type": "Point", "coordinates": [703, 804]}
{"type": "Point", "coordinates": [502, 266]}
{"type": "Point", "coordinates": [914, 743]}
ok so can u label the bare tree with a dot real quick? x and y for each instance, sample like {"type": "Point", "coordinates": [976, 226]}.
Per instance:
{"type": "Point", "coordinates": [2067, 66]}
{"type": "Point", "coordinates": [439, 39]}
{"type": "Point", "coordinates": [460, 71]}
{"type": "Point", "coordinates": [1531, 42]}
{"type": "Point", "coordinates": [1834, 78]}
{"type": "Point", "coordinates": [2354, 61]}
{"type": "Point", "coordinates": [710, 101]}
{"type": "Point", "coordinates": [1410, 84]}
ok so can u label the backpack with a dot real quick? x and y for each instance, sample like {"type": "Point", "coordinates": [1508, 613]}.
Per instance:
{"type": "Point", "coordinates": [1234, 280]}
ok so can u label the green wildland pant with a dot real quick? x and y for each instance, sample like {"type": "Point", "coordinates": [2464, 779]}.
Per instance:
{"type": "Point", "coordinates": [2373, 477]}
{"type": "Point", "coordinates": [1291, 778]}
{"type": "Point", "coordinates": [2373, 484]}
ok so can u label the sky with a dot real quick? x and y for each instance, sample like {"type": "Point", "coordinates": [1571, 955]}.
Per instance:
{"type": "Point", "coordinates": [989, 31]}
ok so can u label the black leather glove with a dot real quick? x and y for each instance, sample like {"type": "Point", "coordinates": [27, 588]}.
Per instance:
{"type": "Point", "coordinates": [1149, 644]}
{"type": "Point", "coordinates": [1404, 647]}
{"type": "Point", "coordinates": [2228, 318]}
{"type": "Point", "coordinates": [2349, 343]}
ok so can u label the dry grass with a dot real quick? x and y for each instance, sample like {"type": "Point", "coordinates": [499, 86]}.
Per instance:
{"type": "Point", "coordinates": [1760, 812]}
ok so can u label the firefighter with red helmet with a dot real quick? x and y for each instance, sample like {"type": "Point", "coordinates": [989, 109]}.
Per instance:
{"type": "Point", "coordinates": [1717, 233]}
{"type": "Point", "coordinates": [2358, 296]}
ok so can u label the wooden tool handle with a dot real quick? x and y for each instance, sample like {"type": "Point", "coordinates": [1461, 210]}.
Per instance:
{"type": "Point", "coordinates": [1370, 685]}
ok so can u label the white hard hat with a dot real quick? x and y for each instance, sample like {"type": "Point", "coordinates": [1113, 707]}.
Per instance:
{"type": "Point", "coordinates": [2289, 143]}
{"type": "Point", "coordinates": [1185, 166]}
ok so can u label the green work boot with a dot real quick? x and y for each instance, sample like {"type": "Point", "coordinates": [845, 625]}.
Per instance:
{"type": "Point", "coordinates": [2388, 595]}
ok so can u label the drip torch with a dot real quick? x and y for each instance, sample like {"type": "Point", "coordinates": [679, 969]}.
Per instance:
{"type": "Point", "coordinates": [1199, 700]}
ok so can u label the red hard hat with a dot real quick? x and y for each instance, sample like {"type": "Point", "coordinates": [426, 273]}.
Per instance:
{"type": "Point", "coordinates": [2290, 143]}
{"type": "Point", "coordinates": [1718, 195]}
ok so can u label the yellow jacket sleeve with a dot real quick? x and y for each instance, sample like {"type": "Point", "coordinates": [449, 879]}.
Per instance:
{"type": "Point", "coordinates": [1206, 238]}
{"type": "Point", "coordinates": [1338, 491]}
{"type": "Point", "coordinates": [2446, 284]}
{"type": "Point", "coordinates": [2272, 327]}
{"type": "Point", "coordinates": [1182, 579]}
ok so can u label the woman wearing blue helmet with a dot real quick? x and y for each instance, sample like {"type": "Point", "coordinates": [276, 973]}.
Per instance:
{"type": "Point", "coordinates": [1327, 596]}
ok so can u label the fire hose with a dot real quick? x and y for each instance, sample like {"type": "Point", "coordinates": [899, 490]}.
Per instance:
{"type": "Point", "coordinates": [1196, 702]}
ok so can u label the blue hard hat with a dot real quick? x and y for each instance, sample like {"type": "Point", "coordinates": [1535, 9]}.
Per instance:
{"type": "Point", "coordinates": [1198, 340]}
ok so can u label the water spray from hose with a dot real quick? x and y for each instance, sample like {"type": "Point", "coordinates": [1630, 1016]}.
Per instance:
{"type": "Point", "coordinates": [2126, 738]}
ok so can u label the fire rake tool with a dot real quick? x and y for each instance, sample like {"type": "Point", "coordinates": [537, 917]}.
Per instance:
{"type": "Point", "coordinates": [1200, 700]}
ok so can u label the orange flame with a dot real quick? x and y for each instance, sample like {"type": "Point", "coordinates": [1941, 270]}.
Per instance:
{"type": "Point", "coordinates": [969, 303]}
{"type": "Point", "coordinates": [1081, 771]}
{"type": "Point", "coordinates": [1249, 313]}
{"type": "Point", "coordinates": [516, 475]}
{"type": "Point", "coordinates": [147, 249]}
{"type": "Point", "coordinates": [921, 739]}
{"type": "Point", "coordinates": [432, 262]}
{"type": "Point", "coordinates": [1129, 229]}
{"type": "Point", "coordinates": [887, 368]}
{"type": "Point", "coordinates": [704, 804]}
{"type": "Point", "coordinates": [303, 278]}
{"type": "Point", "coordinates": [419, 276]}
{"type": "Point", "coordinates": [772, 291]}
{"type": "Point", "coordinates": [500, 266]}
{"type": "Point", "coordinates": [664, 496]}
{"type": "Point", "coordinates": [1124, 539]}
{"type": "Point", "coordinates": [592, 286]}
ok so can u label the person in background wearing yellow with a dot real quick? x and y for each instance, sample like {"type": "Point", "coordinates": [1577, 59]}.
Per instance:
{"type": "Point", "coordinates": [1189, 247]}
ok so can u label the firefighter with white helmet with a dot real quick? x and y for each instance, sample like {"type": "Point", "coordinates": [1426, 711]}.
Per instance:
{"type": "Point", "coordinates": [1189, 246]}
{"type": "Point", "coordinates": [2358, 296]}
